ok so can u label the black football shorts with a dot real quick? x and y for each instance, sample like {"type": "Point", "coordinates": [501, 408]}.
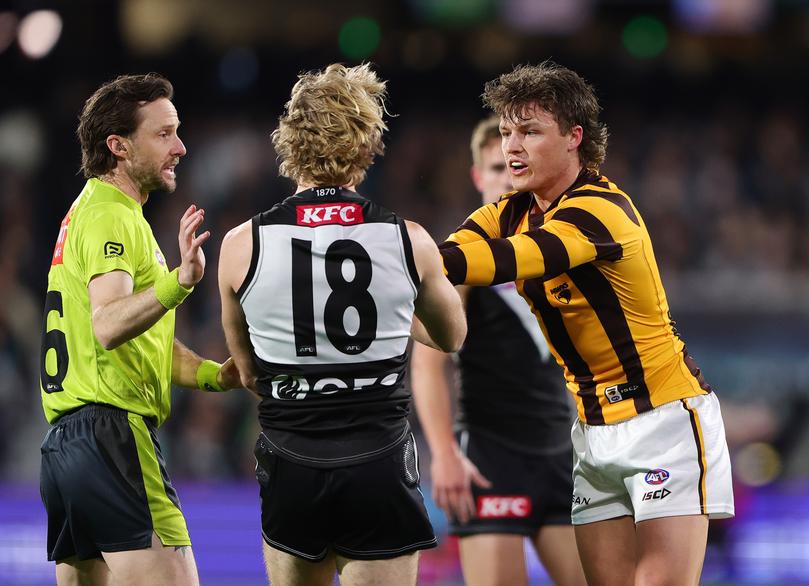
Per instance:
{"type": "Point", "coordinates": [368, 511]}
{"type": "Point", "coordinates": [104, 485]}
{"type": "Point", "coordinates": [527, 492]}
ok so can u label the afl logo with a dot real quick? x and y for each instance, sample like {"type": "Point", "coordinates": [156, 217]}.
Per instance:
{"type": "Point", "coordinates": [159, 256]}
{"type": "Point", "coordinates": [657, 476]}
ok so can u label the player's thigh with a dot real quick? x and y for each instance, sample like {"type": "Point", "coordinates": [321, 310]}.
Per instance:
{"type": "Point", "coordinates": [556, 548]}
{"type": "Point", "coordinates": [398, 571]}
{"type": "Point", "coordinates": [493, 559]}
{"type": "Point", "coordinates": [74, 572]}
{"type": "Point", "coordinates": [607, 551]}
{"type": "Point", "coordinates": [671, 542]}
{"type": "Point", "coordinates": [284, 569]}
{"type": "Point", "coordinates": [158, 565]}
{"type": "Point", "coordinates": [377, 509]}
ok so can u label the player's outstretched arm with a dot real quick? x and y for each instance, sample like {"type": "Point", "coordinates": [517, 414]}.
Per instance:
{"type": "Point", "coordinates": [234, 262]}
{"type": "Point", "coordinates": [190, 370]}
{"type": "Point", "coordinates": [438, 305]}
{"type": "Point", "coordinates": [119, 315]}
{"type": "Point", "coordinates": [588, 229]}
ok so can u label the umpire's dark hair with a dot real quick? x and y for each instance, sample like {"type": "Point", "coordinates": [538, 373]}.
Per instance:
{"type": "Point", "coordinates": [113, 109]}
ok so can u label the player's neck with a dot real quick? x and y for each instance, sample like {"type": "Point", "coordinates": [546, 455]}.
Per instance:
{"type": "Point", "coordinates": [304, 186]}
{"type": "Point", "coordinates": [126, 185]}
{"type": "Point", "coordinates": [545, 196]}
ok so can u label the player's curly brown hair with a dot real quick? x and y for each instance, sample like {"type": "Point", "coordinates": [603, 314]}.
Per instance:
{"type": "Point", "coordinates": [113, 109]}
{"type": "Point", "coordinates": [332, 126]}
{"type": "Point", "coordinates": [560, 91]}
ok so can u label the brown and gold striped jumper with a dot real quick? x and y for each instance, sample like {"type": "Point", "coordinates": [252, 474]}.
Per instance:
{"type": "Point", "coordinates": [587, 269]}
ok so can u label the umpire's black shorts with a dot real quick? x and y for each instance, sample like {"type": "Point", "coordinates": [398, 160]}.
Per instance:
{"type": "Point", "coordinates": [527, 492]}
{"type": "Point", "coordinates": [105, 487]}
{"type": "Point", "coordinates": [368, 511]}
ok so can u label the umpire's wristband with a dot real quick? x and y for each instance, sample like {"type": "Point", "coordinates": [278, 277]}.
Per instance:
{"type": "Point", "coordinates": [168, 290]}
{"type": "Point", "coordinates": [206, 376]}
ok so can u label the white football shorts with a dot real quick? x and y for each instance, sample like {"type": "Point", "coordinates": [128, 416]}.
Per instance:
{"type": "Point", "coordinates": [670, 461]}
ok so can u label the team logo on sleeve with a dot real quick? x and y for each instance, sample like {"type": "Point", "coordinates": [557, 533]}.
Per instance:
{"type": "Point", "coordinates": [562, 293]}
{"type": "Point", "coordinates": [113, 249]}
{"type": "Point", "coordinates": [344, 214]}
{"type": "Point", "coordinates": [657, 476]}
{"type": "Point", "coordinates": [159, 256]}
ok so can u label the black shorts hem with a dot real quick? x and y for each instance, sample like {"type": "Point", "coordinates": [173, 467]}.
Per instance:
{"type": "Point", "coordinates": [298, 554]}
{"type": "Point", "coordinates": [133, 545]}
{"type": "Point", "coordinates": [385, 554]}
{"type": "Point", "coordinates": [523, 530]}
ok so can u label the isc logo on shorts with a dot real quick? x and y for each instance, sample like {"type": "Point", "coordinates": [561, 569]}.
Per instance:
{"type": "Point", "coordinates": [657, 476]}
{"type": "Point", "coordinates": [503, 506]}
{"type": "Point", "coordinates": [657, 495]}
{"type": "Point", "coordinates": [344, 214]}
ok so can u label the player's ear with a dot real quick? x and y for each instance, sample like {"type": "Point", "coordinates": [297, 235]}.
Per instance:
{"type": "Point", "coordinates": [576, 134]}
{"type": "Point", "coordinates": [474, 172]}
{"type": "Point", "coordinates": [118, 145]}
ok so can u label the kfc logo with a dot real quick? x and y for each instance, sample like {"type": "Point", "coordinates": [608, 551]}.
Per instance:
{"type": "Point", "coordinates": [344, 214]}
{"type": "Point", "coordinates": [503, 506]}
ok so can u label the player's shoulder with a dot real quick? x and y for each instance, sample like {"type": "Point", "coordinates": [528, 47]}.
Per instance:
{"type": "Point", "coordinates": [594, 184]}
{"type": "Point", "coordinates": [102, 215]}
{"type": "Point", "coordinates": [418, 234]}
{"type": "Point", "coordinates": [598, 195]}
{"type": "Point", "coordinates": [238, 234]}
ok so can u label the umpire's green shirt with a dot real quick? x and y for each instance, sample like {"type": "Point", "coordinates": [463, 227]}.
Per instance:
{"type": "Point", "coordinates": [104, 231]}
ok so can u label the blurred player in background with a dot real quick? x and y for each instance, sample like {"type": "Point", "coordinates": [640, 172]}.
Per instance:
{"type": "Point", "coordinates": [109, 355]}
{"type": "Point", "coordinates": [651, 460]}
{"type": "Point", "coordinates": [508, 472]}
{"type": "Point", "coordinates": [318, 296]}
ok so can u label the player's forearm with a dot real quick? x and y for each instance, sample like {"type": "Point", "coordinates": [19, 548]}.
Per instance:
{"type": "Point", "coordinates": [237, 337]}
{"type": "Point", "coordinates": [501, 260]}
{"type": "Point", "coordinates": [432, 397]}
{"type": "Point", "coordinates": [184, 365]}
{"type": "Point", "coordinates": [238, 341]}
{"type": "Point", "coordinates": [123, 319]}
{"type": "Point", "coordinates": [419, 334]}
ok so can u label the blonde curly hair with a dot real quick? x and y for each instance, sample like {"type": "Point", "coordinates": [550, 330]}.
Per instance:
{"type": "Point", "coordinates": [332, 126]}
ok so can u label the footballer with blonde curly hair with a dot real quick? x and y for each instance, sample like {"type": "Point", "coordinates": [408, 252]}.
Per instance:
{"type": "Point", "coordinates": [318, 301]}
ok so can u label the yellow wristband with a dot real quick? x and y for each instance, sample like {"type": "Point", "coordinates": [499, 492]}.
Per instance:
{"type": "Point", "coordinates": [206, 376]}
{"type": "Point", "coordinates": [168, 290]}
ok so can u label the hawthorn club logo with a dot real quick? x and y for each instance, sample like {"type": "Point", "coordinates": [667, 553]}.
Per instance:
{"type": "Point", "coordinates": [113, 249]}
{"type": "Point", "coordinates": [562, 293]}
